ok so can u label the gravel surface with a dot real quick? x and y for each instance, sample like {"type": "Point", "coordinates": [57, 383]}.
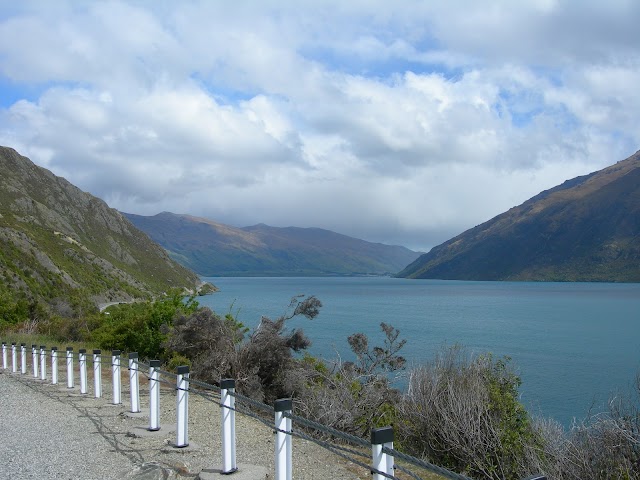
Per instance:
{"type": "Point", "coordinates": [49, 431]}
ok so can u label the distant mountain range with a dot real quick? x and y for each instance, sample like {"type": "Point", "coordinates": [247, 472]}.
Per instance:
{"type": "Point", "coordinates": [587, 229]}
{"type": "Point", "coordinates": [65, 249]}
{"type": "Point", "coordinates": [213, 249]}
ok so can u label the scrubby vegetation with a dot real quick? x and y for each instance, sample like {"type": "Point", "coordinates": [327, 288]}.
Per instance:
{"type": "Point", "coordinates": [460, 411]}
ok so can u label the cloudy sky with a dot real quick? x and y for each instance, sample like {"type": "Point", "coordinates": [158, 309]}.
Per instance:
{"type": "Point", "coordinates": [403, 122]}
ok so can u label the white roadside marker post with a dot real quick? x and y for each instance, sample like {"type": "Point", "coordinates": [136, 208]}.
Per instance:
{"type": "Point", "coordinates": [82, 360]}
{"type": "Point", "coordinates": [14, 360]}
{"type": "Point", "coordinates": [154, 396]}
{"type": "Point", "coordinates": [228, 425]}
{"type": "Point", "coordinates": [23, 358]}
{"type": "Point", "coordinates": [134, 383]}
{"type": "Point", "coordinates": [69, 367]}
{"type": "Point", "coordinates": [43, 362]}
{"type": "Point", "coordinates": [115, 364]}
{"type": "Point", "coordinates": [34, 360]}
{"type": "Point", "coordinates": [97, 373]}
{"type": "Point", "coordinates": [182, 407]}
{"type": "Point", "coordinates": [54, 365]}
{"type": "Point", "coordinates": [283, 460]}
{"type": "Point", "coordinates": [381, 461]}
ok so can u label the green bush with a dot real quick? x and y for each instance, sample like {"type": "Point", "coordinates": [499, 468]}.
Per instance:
{"type": "Point", "coordinates": [142, 327]}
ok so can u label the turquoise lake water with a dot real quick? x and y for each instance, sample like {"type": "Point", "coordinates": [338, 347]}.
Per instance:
{"type": "Point", "coordinates": [573, 344]}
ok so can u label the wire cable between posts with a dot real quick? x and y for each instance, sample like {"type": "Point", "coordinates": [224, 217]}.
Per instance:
{"type": "Point", "coordinates": [323, 428]}
{"type": "Point", "coordinates": [338, 451]}
{"type": "Point", "coordinates": [423, 464]}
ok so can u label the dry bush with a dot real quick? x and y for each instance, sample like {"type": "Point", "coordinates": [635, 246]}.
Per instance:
{"type": "Point", "coordinates": [262, 364]}
{"type": "Point", "coordinates": [463, 412]}
{"type": "Point", "coordinates": [602, 446]}
{"type": "Point", "coordinates": [353, 396]}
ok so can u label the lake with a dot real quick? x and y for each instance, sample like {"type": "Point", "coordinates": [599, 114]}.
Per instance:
{"type": "Point", "coordinates": [573, 344]}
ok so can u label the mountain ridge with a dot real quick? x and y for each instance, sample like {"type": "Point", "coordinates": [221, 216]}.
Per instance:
{"type": "Point", "coordinates": [214, 249]}
{"type": "Point", "coordinates": [585, 229]}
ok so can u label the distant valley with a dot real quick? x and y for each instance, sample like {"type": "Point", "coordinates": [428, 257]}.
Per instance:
{"type": "Point", "coordinates": [214, 249]}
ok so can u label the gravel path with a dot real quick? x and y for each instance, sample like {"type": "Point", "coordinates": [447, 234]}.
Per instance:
{"type": "Point", "coordinates": [49, 431]}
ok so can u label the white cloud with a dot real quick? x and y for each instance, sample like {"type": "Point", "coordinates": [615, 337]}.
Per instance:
{"type": "Point", "coordinates": [404, 124]}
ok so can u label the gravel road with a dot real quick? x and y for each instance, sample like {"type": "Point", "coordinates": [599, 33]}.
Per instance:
{"type": "Point", "coordinates": [49, 431]}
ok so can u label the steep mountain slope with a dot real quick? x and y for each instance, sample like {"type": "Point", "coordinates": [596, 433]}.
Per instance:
{"type": "Point", "coordinates": [63, 247]}
{"type": "Point", "coordinates": [587, 229]}
{"type": "Point", "coordinates": [214, 249]}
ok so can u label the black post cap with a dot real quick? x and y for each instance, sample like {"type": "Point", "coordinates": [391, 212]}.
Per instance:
{"type": "Point", "coordinates": [381, 435]}
{"type": "Point", "coordinates": [133, 355]}
{"type": "Point", "coordinates": [55, 349]}
{"type": "Point", "coordinates": [34, 346]}
{"type": "Point", "coordinates": [283, 405]}
{"type": "Point", "coordinates": [22, 344]}
{"type": "Point", "coordinates": [13, 343]}
{"type": "Point", "coordinates": [227, 383]}
{"type": "Point", "coordinates": [182, 369]}
{"type": "Point", "coordinates": [69, 349]}
{"type": "Point", "coordinates": [97, 352]}
{"type": "Point", "coordinates": [43, 347]}
{"type": "Point", "coordinates": [115, 353]}
{"type": "Point", "coordinates": [82, 350]}
{"type": "Point", "coordinates": [154, 363]}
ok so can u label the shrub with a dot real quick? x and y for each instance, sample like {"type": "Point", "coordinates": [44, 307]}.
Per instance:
{"type": "Point", "coordinates": [463, 412]}
{"type": "Point", "coordinates": [353, 396]}
{"type": "Point", "coordinates": [602, 446]}
{"type": "Point", "coordinates": [142, 327]}
{"type": "Point", "coordinates": [262, 364]}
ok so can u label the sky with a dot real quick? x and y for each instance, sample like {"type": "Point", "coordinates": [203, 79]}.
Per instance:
{"type": "Point", "coordinates": [403, 122]}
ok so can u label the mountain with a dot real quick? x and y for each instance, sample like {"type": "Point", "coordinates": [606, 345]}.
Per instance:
{"type": "Point", "coordinates": [214, 249]}
{"type": "Point", "coordinates": [61, 247]}
{"type": "Point", "coordinates": [587, 229]}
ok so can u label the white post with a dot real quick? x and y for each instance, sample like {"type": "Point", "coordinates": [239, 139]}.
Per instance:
{"type": "Point", "coordinates": [43, 362]}
{"type": "Point", "coordinates": [134, 390]}
{"type": "Point", "coordinates": [154, 395]}
{"type": "Point", "coordinates": [284, 466]}
{"type": "Point", "coordinates": [4, 355]}
{"type": "Point", "coordinates": [34, 360]}
{"type": "Point", "coordinates": [23, 358]}
{"type": "Point", "coordinates": [82, 360]}
{"type": "Point", "coordinates": [69, 367]}
{"type": "Point", "coordinates": [14, 360]}
{"type": "Point", "coordinates": [54, 365]}
{"type": "Point", "coordinates": [228, 425]}
{"type": "Point", "coordinates": [182, 407]}
{"type": "Point", "coordinates": [97, 373]}
{"type": "Point", "coordinates": [115, 364]}
{"type": "Point", "coordinates": [381, 461]}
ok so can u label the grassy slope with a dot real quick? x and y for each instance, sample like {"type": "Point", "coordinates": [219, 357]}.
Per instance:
{"type": "Point", "coordinates": [58, 242]}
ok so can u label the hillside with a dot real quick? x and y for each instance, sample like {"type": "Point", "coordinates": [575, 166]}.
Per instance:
{"type": "Point", "coordinates": [587, 229]}
{"type": "Point", "coordinates": [65, 249]}
{"type": "Point", "coordinates": [214, 249]}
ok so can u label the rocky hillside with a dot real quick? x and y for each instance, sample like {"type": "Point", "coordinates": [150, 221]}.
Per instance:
{"type": "Point", "coordinates": [63, 248]}
{"type": "Point", "coordinates": [587, 229]}
{"type": "Point", "coordinates": [214, 249]}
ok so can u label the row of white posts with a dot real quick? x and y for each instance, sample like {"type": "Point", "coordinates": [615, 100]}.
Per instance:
{"type": "Point", "coordinates": [382, 437]}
